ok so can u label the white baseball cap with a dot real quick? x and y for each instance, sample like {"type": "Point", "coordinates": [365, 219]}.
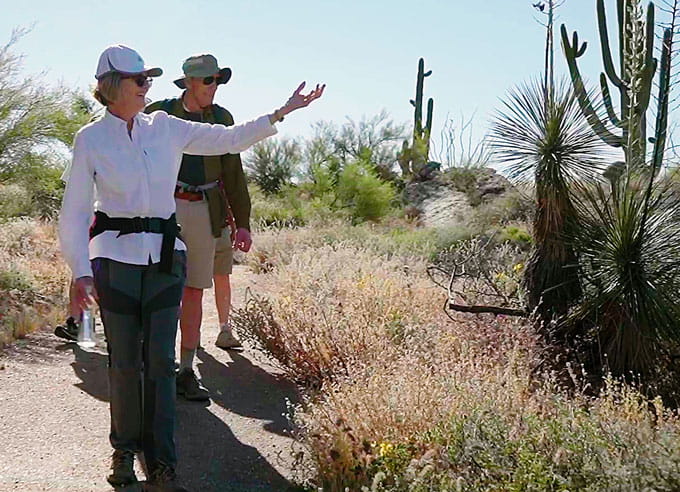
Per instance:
{"type": "Point", "coordinates": [120, 58]}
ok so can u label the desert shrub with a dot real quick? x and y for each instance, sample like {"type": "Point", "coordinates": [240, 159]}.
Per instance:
{"type": "Point", "coordinates": [46, 188]}
{"type": "Point", "coordinates": [323, 292]}
{"type": "Point", "coordinates": [33, 280]}
{"type": "Point", "coordinates": [426, 243]}
{"type": "Point", "coordinates": [273, 210]}
{"type": "Point", "coordinates": [482, 272]}
{"type": "Point", "coordinates": [360, 190]}
{"type": "Point", "coordinates": [37, 193]}
{"type": "Point", "coordinates": [462, 178]}
{"type": "Point", "coordinates": [12, 278]}
{"type": "Point", "coordinates": [450, 425]}
{"type": "Point", "coordinates": [512, 206]}
{"type": "Point", "coordinates": [405, 241]}
{"type": "Point", "coordinates": [295, 206]}
{"type": "Point", "coordinates": [15, 201]}
{"type": "Point", "coordinates": [517, 235]}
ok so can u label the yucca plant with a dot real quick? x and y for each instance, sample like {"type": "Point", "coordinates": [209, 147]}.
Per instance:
{"type": "Point", "coordinates": [542, 136]}
{"type": "Point", "coordinates": [630, 268]}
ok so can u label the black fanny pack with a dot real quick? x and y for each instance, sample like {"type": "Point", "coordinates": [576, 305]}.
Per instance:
{"type": "Point", "coordinates": [124, 225]}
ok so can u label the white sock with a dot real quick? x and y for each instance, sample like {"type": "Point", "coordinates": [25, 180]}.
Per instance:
{"type": "Point", "coordinates": [186, 358]}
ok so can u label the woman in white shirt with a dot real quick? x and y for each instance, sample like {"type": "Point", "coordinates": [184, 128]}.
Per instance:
{"type": "Point", "coordinates": [131, 259]}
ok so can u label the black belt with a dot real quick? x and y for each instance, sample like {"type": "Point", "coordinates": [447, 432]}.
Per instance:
{"type": "Point", "coordinates": [124, 225]}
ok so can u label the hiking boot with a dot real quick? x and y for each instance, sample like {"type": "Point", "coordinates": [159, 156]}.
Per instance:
{"type": "Point", "coordinates": [226, 339]}
{"type": "Point", "coordinates": [123, 469]}
{"type": "Point", "coordinates": [163, 479]}
{"type": "Point", "coordinates": [67, 331]}
{"type": "Point", "coordinates": [190, 387]}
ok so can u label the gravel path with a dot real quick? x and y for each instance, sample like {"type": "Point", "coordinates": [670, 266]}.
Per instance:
{"type": "Point", "coordinates": [54, 416]}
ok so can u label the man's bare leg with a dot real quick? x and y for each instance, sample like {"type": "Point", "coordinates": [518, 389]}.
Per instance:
{"type": "Point", "coordinates": [190, 325]}
{"type": "Point", "coordinates": [226, 338]}
{"type": "Point", "coordinates": [188, 384]}
{"type": "Point", "coordinates": [222, 297]}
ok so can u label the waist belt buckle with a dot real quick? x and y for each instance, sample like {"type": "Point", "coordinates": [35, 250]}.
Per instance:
{"type": "Point", "coordinates": [140, 224]}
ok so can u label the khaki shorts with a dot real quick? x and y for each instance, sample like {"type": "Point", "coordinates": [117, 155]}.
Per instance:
{"type": "Point", "coordinates": [206, 255]}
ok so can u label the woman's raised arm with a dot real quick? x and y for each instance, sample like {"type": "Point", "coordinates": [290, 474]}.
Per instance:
{"type": "Point", "coordinates": [206, 139]}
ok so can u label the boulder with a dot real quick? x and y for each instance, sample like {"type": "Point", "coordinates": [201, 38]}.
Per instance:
{"type": "Point", "coordinates": [451, 197]}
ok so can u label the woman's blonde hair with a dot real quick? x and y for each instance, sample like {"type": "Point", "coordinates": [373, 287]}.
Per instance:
{"type": "Point", "coordinates": [108, 88]}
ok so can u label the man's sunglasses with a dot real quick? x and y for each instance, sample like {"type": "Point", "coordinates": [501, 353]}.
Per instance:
{"type": "Point", "coordinates": [209, 80]}
{"type": "Point", "coordinates": [140, 80]}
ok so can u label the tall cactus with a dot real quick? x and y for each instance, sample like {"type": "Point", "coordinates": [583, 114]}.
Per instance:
{"type": "Point", "coordinates": [414, 157]}
{"type": "Point", "coordinates": [634, 82]}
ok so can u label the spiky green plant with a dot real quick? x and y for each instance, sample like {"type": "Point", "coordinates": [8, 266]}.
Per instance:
{"type": "Point", "coordinates": [549, 142]}
{"type": "Point", "coordinates": [630, 268]}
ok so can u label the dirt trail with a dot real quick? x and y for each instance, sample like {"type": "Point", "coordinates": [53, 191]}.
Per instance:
{"type": "Point", "coordinates": [54, 416]}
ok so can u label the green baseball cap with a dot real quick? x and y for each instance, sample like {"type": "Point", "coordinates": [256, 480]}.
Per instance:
{"type": "Point", "coordinates": [202, 66]}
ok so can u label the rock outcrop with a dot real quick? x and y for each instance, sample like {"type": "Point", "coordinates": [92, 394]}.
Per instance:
{"type": "Point", "coordinates": [451, 197]}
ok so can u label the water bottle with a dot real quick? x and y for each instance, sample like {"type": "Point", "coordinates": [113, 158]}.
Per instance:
{"type": "Point", "coordinates": [86, 330]}
{"type": "Point", "coordinates": [85, 338]}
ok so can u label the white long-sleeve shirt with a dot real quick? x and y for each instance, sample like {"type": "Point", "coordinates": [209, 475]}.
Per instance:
{"type": "Point", "coordinates": [135, 176]}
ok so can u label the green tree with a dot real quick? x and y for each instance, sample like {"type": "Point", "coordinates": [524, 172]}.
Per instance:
{"type": "Point", "coordinates": [32, 117]}
{"type": "Point", "coordinates": [272, 164]}
{"type": "Point", "coordinates": [374, 140]}
{"type": "Point", "coordinates": [37, 125]}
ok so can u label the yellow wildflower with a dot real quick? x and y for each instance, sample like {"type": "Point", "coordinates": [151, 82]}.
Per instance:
{"type": "Point", "coordinates": [518, 268]}
{"type": "Point", "coordinates": [385, 449]}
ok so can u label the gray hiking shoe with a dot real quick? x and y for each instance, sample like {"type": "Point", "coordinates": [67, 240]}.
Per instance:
{"type": "Point", "coordinates": [226, 339]}
{"type": "Point", "coordinates": [163, 479]}
{"type": "Point", "coordinates": [190, 387]}
{"type": "Point", "coordinates": [122, 464]}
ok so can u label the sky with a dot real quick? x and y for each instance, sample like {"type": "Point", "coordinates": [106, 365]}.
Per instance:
{"type": "Point", "coordinates": [366, 52]}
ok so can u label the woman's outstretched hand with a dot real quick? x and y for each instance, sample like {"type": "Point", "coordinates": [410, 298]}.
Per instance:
{"type": "Point", "coordinates": [299, 100]}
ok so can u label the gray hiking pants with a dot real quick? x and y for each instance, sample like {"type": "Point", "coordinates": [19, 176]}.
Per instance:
{"type": "Point", "coordinates": [139, 307]}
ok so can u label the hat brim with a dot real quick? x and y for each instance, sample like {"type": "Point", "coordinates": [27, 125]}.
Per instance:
{"type": "Point", "coordinates": [225, 75]}
{"type": "Point", "coordinates": [153, 72]}
{"type": "Point", "coordinates": [149, 72]}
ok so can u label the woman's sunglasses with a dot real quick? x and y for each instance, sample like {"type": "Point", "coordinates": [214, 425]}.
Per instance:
{"type": "Point", "coordinates": [140, 80]}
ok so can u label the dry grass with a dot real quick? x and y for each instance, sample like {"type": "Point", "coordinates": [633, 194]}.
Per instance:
{"type": "Point", "coordinates": [404, 239]}
{"type": "Point", "coordinates": [405, 399]}
{"type": "Point", "coordinates": [33, 278]}
{"type": "Point", "coordinates": [335, 308]}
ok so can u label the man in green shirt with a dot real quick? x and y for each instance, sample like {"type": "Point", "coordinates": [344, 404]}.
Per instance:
{"type": "Point", "coordinates": [213, 208]}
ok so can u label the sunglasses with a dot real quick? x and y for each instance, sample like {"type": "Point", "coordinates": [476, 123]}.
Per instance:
{"type": "Point", "coordinates": [209, 80]}
{"type": "Point", "coordinates": [140, 80]}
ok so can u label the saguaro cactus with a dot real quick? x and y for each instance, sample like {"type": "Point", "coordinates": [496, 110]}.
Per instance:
{"type": "Point", "coordinates": [412, 158]}
{"type": "Point", "coordinates": [634, 81]}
